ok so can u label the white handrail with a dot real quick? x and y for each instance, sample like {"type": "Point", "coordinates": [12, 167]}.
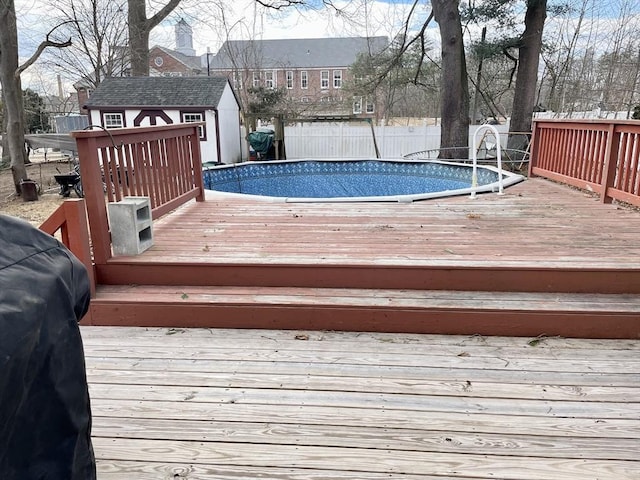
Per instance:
{"type": "Point", "coordinates": [474, 175]}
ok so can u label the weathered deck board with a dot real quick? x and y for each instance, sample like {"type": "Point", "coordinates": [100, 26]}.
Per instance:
{"type": "Point", "coordinates": [246, 404]}
{"type": "Point", "coordinates": [536, 223]}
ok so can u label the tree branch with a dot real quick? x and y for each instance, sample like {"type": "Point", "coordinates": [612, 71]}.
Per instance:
{"type": "Point", "coordinates": [515, 64]}
{"type": "Point", "coordinates": [47, 43]}
{"type": "Point", "coordinates": [281, 4]}
{"type": "Point", "coordinates": [162, 14]}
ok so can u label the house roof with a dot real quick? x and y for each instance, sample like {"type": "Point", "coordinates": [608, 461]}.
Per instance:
{"type": "Point", "coordinates": [192, 62]}
{"type": "Point", "coordinates": [158, 92]}
{"type": "Point", "coordinates": [297, 53]}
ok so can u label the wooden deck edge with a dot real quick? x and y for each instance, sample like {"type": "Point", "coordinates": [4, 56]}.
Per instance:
{"type": "Point", "coordinates": [454, 321]}
{"type": "Point", "coordinates": [466, 278]}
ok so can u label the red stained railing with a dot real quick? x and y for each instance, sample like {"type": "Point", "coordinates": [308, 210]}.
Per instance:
{"type": "Point", "coordinates": [598, 155]}
{"type": "Point", "coordinates": [161, 162]}
{"type": "Point", "coordinates": [70, 219]}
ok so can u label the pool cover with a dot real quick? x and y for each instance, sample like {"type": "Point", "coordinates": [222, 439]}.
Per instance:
{"type": "Point", "coordinates": [45, 419]}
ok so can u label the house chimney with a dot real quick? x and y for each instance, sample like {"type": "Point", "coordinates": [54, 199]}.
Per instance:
{"type": "Point", "coordinates": [60, 90]}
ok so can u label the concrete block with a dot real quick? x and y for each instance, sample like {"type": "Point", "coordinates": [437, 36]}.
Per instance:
{"type": "Point", "coordinates": [131, 225]}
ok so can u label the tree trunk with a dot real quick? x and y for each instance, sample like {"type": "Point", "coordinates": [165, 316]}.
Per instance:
{"type": "Point", "coordinates": [139, 28]}
{"type": "Point", "coordinates": [6, 158]}
{"type": "Point", "coordinates": [454, 136]}
{"type": "Point", "coordinates": [138, 38]}
{"type": "Point", "coordinates": [527, 76]}
{"type": "Point", "coordinates": [12, 91]}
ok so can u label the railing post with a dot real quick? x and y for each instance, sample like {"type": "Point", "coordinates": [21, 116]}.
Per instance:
{"type": "Point", "coordinates": [78, 236]}
{"type": "Point", "coordinates": [94, 196]}
{"type": "Point", "coordinates": [196, 161]}
{"type": "Point", "coordinates": [534, 148]}
{"type": "Point", "coordinates": [70, 219]}
{"type": "Point", "coordinates": [610, 162]}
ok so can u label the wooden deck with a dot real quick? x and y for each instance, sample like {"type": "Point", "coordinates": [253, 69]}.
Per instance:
{"type": "Point", "coordinates": [542, 259]}
{"type": "Point", "coordinates": [309, 405]}
{"type": "Point", "coordinates": [537, 223]}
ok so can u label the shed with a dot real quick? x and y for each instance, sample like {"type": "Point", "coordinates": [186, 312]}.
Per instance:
{"type": "Point", "coordinates": [120, 102]}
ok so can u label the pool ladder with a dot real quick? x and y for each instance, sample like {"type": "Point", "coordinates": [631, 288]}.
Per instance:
{"type": "Point", "coordinates": [474, 175]}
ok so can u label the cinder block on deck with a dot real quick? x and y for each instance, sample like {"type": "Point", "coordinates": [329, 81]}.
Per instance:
{"type": "Point", "coordinates": [131, 225]}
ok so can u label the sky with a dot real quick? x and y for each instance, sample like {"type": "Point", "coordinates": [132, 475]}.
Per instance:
{"type": "Point", "coordinates": [243, 19]}
{"type": "Point", "coordinates": [246, 19]}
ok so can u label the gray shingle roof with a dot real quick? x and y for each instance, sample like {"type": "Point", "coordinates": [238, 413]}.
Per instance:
{"type": "Point", "coordinates": [191, 62]}
{"type": "Point", "coordinates": [299, 53]}
{"type": "Point", "coordinates": [158, 91]}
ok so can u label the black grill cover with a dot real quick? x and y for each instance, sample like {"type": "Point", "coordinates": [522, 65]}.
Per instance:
{"type": "Point", "coordinates": [45, 417]}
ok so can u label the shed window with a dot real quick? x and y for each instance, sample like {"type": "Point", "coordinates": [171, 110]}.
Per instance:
{"type": "Point", "coordinates": [192, 117]}
{"type": "Point", "coordinates": [113, 120]}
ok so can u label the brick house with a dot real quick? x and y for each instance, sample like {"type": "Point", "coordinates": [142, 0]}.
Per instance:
{"type": "Point", "coordinates": [181, 62]}
{"type": "Point", "coordinates": [313, 72]}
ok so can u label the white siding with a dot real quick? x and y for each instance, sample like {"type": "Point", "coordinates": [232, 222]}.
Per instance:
{"type": "Point", "coordinates": [229, 118]}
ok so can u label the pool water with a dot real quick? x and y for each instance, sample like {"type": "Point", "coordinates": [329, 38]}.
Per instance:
{"type": "Point", "coordinates": [346, 180]}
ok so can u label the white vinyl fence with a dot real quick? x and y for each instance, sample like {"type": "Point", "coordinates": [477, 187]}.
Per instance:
{"type": "Point", "coordinates": [355, 141]}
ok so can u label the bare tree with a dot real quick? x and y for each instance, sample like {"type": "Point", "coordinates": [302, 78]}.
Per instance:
{"type": "Point", "coordinates": [139, 28]}
{"type": "Point", "coordinates": [99, 31]}
{"type": "Point", "coordinates": [10, 72]}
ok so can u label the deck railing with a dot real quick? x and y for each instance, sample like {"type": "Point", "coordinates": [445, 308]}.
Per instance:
{"type": "Point", "coordinates": [161, 162]}
{"type": "Point", "coordinates": [598, 155]}
{"type": "Point", "coordinates": [70, 219]}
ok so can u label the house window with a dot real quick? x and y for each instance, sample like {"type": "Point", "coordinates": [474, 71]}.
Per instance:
{"type": "Point", "coordinates": [304, 79]}
{"type": "Point", "coordinates": [289, 79]}
{"type": "Point", "coordinates": [159, 61]}
{"type": "Point", "coordinates": [337, 79]}
{"type": "Point", "coordinates": [269, 79]}
{"type": "Point", "coordinates": [237, 80]}
{"type": "Point", "coordinates": [113, 120]}
{"type": "Point", "coordinates": [191, 117]}
{"type": "Point", "coordinates": [324, 79]}
{"type": "Point", "coordinates": [368, 106]}
{"type": "Point", "coordinates": [305, 100]}
{"type": "Point", "coordinates": [357, 105]}
{"type": "Point", "coordinates": [256, 79]}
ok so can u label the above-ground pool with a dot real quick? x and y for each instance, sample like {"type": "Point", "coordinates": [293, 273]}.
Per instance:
{"type": "Point", "coordinates": [351, 180]}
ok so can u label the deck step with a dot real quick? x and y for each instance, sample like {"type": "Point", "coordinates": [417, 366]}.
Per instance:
{"type": "Point", "coordinates": [469, 276]}
{"type": "Point", "coordinates": [381, 310]}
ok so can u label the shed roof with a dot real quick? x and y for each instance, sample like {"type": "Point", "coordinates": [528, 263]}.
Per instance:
{"type": "Point", "coordinates": [295, 53]}
{"type": "Point", "coordinates": [158, 92]}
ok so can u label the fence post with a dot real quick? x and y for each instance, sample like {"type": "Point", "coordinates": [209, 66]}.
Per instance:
{"type": "Point", "coordinates": [610, 162]}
